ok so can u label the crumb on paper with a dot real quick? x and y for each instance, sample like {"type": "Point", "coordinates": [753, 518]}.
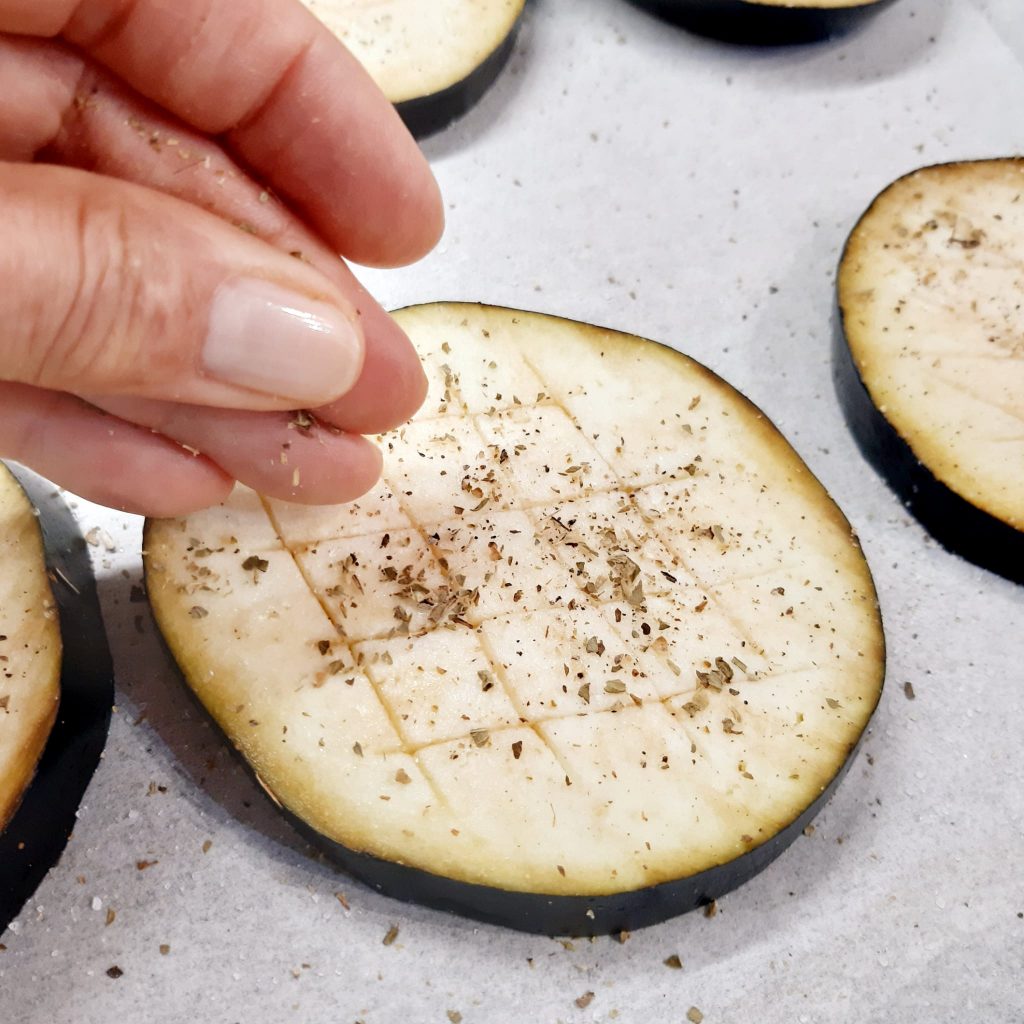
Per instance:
{"type": "Point", "coordinates": [98, 537]}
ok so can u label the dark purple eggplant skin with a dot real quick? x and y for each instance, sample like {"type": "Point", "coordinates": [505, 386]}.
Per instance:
{"type": "Point", "coordinates": [957, 524]}
{"type": "Point", "coordinates": [575, 916]}
{"type": "Point", "coordinates": [754, 24]}
{"type": "Point", "coordinates": [541, 913]}
{"type": "Point", "coordinates": [38, 832]}
{"type": "Point", "coordinates": [427, 115]}
{"type": "Point", "coordinates": [544, 913]}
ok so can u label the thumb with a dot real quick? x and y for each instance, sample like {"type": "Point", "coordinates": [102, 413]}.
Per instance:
{"type": "Point", "coordinates": [112, 289]}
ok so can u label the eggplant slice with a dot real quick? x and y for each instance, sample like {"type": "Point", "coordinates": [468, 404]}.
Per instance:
{"type": "Point", "coordinates": [591, 655]}
{"type": "Point", "coordinates": [930, 357]}
{"type": "Point", "coordinates": [30, 647]}
{"type": "Point", "coordinates": [37, 834]}
{"type": "Point", "coordinates": [433, 59]}
{"type": "Point", "coordinates": [766, 22]}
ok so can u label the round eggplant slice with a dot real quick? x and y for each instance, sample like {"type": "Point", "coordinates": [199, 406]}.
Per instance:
{"type": "Point", "coordinates": [930, 356]}
{"type": "Point", "coordinates": [30, 648]}
{"type": "Point", "coordinates": [434, 59]}
{"type": "Point", "coordinates": [592, 653]}
{"type": "Point", "coordinates": [766, 22]}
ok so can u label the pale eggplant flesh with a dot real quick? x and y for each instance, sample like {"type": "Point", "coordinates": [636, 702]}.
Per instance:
{"type": "Point", "coordinates": [929, 352]}
{"type": "Point", "coordinates": [584, 916]}
{"type": "Point", "coordinates": [427, 115]}
{"type": "Point", "coordinates": [592, 654]}
{"type": "Point", "coordinates": [434, 60]}
{"type": "Point", "coordinates": [767, 22]}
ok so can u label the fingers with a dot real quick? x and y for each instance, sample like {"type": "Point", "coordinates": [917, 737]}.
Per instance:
{"type": "Point", "coordinates": [392, 385]}
{"type": "Point", "coordinates": [63, 109]}
{"type": "Point", "coordinates": [288, 97]}
{"type": "Point", "coordinates": [85, 119]}
{"type": "Point", "coordinates": [367, 191]}
{"type": "Point", "coordinates": [123, 291]}
{"type": "Point", "coordinates": [38, 81]}
{"type": "Point", "coordinates": [39, 18]}
{"type": "Point", "coordinates": [282, 455]}
{"type": "Point", "coordinates": [103, 458]}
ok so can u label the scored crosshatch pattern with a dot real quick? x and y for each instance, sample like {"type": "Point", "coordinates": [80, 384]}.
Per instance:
{"type": "Point", "coordinates": [482, 381]}
{"type": "Point", "coordinates": [470, 565]}
{"type": "Point", "coordinates": [518, 492]}
{"type": "Point", "coordinates": [375, 512]}
{"type": "Point", "coordinates": [512, 600]}
{"type": "Point", "coordinates": [436, 467]}
{"type": "Point", "coordinates": [434, 702]}
{"type": "Point", "coordinates": [546, 455]}
{"type": "Point", "coordinates": [499, 556]}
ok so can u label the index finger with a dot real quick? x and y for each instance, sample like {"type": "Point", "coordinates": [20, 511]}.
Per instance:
{"type": "Point", "coordinates": [286, 95]}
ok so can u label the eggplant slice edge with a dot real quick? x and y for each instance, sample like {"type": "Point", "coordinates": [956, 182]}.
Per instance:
{"type": "Point", "coordinates": [505, 821]}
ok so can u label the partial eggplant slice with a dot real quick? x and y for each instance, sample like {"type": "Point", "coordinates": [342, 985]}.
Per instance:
{"type": "Point", "coordinates": [592, 654]}
{"type": "Point", "coordinates": [36, 835]}
{"type": "Point", "coordinates": [930, 359]}
{"type": "Point", "coordinates": [767, 22]}
{"type": "Point", "coordinates": [432, 58]}
{"type": "Point", "coordinates": [30, 647]}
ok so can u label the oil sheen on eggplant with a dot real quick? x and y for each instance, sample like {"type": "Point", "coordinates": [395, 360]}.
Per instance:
{"type": "Point", "coordinates": [929, 358]}
{"type": "Point", "coordinates": [434, 59]}
{"type": "Point", "coordinates": [766, 22]}
{"type": "Point", "coordinates": [592, 654]}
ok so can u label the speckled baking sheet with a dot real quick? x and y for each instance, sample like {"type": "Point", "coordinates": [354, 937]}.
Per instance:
{"type": "Point", "coordinates": [625, 173]}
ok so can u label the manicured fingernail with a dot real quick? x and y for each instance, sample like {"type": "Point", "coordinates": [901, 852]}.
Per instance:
{"type": "Point", "coordinates": [266, 338]}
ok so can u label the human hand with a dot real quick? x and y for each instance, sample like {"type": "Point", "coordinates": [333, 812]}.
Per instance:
{"type": "Point", "coordinates": [157, 300]}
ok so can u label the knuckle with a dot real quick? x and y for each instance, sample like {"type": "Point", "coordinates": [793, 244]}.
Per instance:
{"type": "Point", "coordinates": [103, 310]}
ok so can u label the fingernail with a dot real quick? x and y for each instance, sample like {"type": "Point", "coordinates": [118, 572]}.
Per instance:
{"type": "Point", "coordinates": [268, 339]}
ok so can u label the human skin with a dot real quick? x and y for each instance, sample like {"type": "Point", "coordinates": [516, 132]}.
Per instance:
{"type": "Point", "coordinates": [180, 184]}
